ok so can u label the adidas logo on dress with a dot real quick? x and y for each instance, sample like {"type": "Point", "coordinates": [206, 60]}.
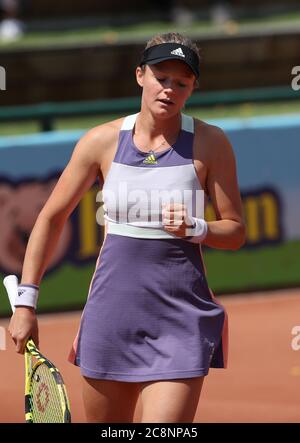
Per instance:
{"type": "Point", "coordinates": [178, 51]}
{"type": "Point", "coordinates": [150, 160]}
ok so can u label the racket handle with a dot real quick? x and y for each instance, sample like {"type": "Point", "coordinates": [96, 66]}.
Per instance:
{"type": "Point", "coordinates": [11, 285]}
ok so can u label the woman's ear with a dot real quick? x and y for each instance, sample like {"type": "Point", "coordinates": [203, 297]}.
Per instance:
{"type": "Point", "coordinates": [139, 72]}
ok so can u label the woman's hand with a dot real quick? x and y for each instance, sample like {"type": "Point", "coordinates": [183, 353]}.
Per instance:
{"type": "Point", "coordinates": [23, 325]}
{"type": "Point", "coordinates": [175, 219]}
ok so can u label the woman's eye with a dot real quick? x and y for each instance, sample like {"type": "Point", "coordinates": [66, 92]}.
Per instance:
{"type": "Point", "coordinates": [182, 85]}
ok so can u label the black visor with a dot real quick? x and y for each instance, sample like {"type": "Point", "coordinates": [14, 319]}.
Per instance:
{"type": "Point", "coordinates": [171, 51]}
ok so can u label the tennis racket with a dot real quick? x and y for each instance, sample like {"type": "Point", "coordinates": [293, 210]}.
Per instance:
{"type": "Point", "coordinates": [46, 399]}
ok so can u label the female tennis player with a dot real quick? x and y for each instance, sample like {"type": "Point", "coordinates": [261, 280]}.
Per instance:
{"type": "Point", "coordinates": [150, 326]}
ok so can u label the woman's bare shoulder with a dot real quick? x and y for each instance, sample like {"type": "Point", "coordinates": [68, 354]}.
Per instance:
{"type": "Point", "coordinates": [211, 140]}
{"type": "Point", "coordinates": [212, 132]}
{"type": "Point", "coordinates": [97, 141]}
{"type": "Point", "coordinates": [104, 132]}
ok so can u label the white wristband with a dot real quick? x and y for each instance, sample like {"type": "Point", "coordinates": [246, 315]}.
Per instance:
{"type": "Point", "coordinates": [198, 231]}
{"type": "Point", "coordinates": [27, 295]}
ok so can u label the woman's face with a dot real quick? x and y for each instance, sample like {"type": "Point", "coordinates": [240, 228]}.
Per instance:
{"type": "Point", "coordinates": [166, 86]}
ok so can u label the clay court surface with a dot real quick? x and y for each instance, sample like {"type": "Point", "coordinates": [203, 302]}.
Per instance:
{"type": "Point", "coordinates": [261, 383]}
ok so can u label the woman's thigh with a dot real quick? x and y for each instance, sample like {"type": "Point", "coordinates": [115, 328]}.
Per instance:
{"type": "Point", "coordinates": [109, 401]}
{"type": "Point", "coordinates": [170, 401]}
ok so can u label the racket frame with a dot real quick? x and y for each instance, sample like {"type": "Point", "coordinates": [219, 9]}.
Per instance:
{"type": "Point", "coordinates": [32, 351]}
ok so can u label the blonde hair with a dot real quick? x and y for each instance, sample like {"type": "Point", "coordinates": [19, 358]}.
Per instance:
{"type": "Point", "coordinates": [174, 37]}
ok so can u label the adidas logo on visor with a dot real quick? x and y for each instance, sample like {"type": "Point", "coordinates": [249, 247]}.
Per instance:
{"type": "Point", "coordinates": [178, 51]}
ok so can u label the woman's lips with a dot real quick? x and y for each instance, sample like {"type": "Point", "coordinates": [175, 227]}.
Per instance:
{"type": "Point", "coordinates": [166, 102]}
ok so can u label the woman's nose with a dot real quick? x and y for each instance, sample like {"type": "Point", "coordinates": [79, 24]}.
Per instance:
{"type": "Point", "coordinates": [169, 85]}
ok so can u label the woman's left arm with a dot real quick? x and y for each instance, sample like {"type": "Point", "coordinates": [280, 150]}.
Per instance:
{"type": "Point", "coordinates": [228, 231]}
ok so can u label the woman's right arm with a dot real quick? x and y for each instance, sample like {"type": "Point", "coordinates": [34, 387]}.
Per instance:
{"type": "Point", "coordinates": [78, 176]}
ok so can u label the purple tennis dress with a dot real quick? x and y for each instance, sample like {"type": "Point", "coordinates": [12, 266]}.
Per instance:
{"type": "Point", "coordinates": [150, 314]}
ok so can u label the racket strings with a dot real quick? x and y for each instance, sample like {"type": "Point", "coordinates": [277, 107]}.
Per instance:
{"type": "Point", "coordinates": [46, 402]}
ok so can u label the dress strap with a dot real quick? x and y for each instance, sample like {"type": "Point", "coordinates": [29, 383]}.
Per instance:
{"type": "Point", "coordinates": [187, 123]}
{"type": "Point", "coordinates": [128, 122]}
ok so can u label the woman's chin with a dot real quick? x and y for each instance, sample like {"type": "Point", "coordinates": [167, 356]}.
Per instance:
{"type": "Point", "coordinates": [165, 111]}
